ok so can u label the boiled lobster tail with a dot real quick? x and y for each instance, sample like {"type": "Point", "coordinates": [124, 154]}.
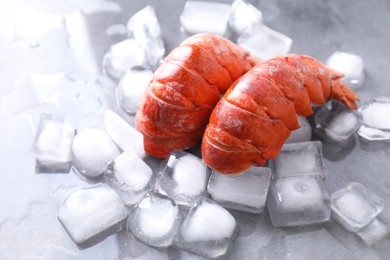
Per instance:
{"type": "Point", "coordinates": [184, 90]}
{"type": "Point", "coordinates": [251, 122]}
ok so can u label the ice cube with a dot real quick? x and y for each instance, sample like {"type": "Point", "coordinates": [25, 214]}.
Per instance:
{"type": "Point", "coordinates": [355, 206]}
{"type": "Point", "coordinates": [243, 15]}
{"type": "Point", "coordinates": [373, 232]}
{"type": "Point", "coordinates": [144, 28]}
{"type": "Point", "coordinates": [183, 178]}
{"type": "Point", "coordinates": [90, 214]}
{"type": "Point", "coordinates": [298, 200]}
{"type": "Point", "coordinates": [155, 220]}
{"type": "Point", "coordinates": [198, 17]}
{"type": "Point", "coordinates": [337, 123]}
{"type": "Point", "coordinates": [246, 192]}
{"type": "Point", "coordinates": [350, 65]}
{"type": "Point", "coordinates": [130, 177]}
{"type": "Point", "coordinates": [52, 144]}
{"type": "Point", "coordinates": [373, 134]}
{"type": "Point", "coordinates": [263, 42]}
{"type": "Point", "coordinates": [123, 56]}
{"type": "Point", "coordinates": [208, 230]}
{"type": "Point", "coordinates": [299, 159]}
{"type": "Point", "coordinates": [131, 88]}
{"type": "Point", "coordinates": [302, 134]}
{"type": "Point", "coordinates": [375, 113]}
{"type": "Point", "coordinates": [92, 150]}
{"type": "Point", "coordinates": [126, 137]}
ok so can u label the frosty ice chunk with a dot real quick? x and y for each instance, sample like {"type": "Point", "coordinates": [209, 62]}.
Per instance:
{"type": "Point", "coordinates": [131, 88]}
{"type": "Point", "coordinates": [263, 42]}
{"type": "Point", "coordinates": [144, 28]}
{"type": "Point", "coordinates": [350, 65]}
{"type": "Point", "coordinates": [355, 206]}
{"type": "Point", "coordinates": [373, 232]}
{"type": "Point", "coordinates": [92, 150]}
{"type": "Point", "coordinates": [123, 56]}
{"type": "Point", "coordinates": [373, 134]}
{"type": "Point", "coordinates": [299, 159]}
{"type": "Point", "coordinates": [211, 17]}
{"type": "Point", "coordinates": [52, 145]}
{"type": "Point", "coordinates": [208, 230]}
{"type": "Point", "coordinates": [246, 192]}
{"type": "Point", "coordinates": [183, 178]}
{"type": "Point", "coordinates": [298, 200]}
{"type": "Point", "coordinates": [155, 220]}
{"type": "Point", "coordinates": [91, 214]}
{"type": "Point", "coordinates": [375, 113]}
{"type": "Point", "coordinates": [130, 177]}
{"type": "Point", "coordinates": [126, 137]}
{"type": "Point", "coordinates": [302, 134]}
{"type": "Point", "coordinates": [336, 123]}
{"type": "Point", "coordinates": [243, 15]}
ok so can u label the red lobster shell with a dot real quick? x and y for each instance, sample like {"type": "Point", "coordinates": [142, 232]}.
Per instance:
{"type": "Point", "coordinates": [256, 115]}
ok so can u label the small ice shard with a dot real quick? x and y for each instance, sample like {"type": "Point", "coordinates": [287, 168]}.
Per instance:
{"type": "Point", "coordinates": [155, 220]}
{"type": "Point", "coordinates": [144, 28]}
{"type": "Point", "coordinates": [373, 232]}
{"type": "Point", "coordinates": [92, 150]}
{"type": "Point", "coordinates": [298, 200]}
{"type": "Point", "coordinates": [375, 113]}
{"type": "Point", "coordinates": [355, 206]}
{"type": "Point", "coordinates": [263, 42]}
{"type": "Point", "coordinates": [52, 145]}
{"type": "Point", "coordinates": [126, 137]}
{"type": "Point", "coordinates": [337, 123]}
{"type": "Point", "coordinates": [88, 215]}
{"type": "Point", "coordinates": [210, 17]}
{"type": "Point", "coordinates": [130, 177]}
{"type": "Point", "coordinates": [245, 192]}
{"type": "Point", "coordinates": [116, 29]}
{"type": "Point", "coordinates": [350, 65]}
{"type": "Point", "coordinates": [123, 56]}
{"type": "Point", "coordinates": [183, 178]}
{"type": "Point", "coordinates": [302, 134]}
{"type": "Point", "coordinates": [373, 134]}
{"type": "Point", "coordinates": [243, 15]}
{"type": "Point", "coordinates": [208, 230]}
{"type": "Point", "coordinates": [299, 159]}
{"type": "Point", "coordinates": [131, 88]}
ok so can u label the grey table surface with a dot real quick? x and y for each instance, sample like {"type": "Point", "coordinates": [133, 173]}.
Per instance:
{"type": "Point", "coordinates": [28, 201]}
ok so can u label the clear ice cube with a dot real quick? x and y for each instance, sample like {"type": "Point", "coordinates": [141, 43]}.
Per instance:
{"type": "Point", "coordinates": [298, 200]}
{"type": "Point", "coordinates": [373, 232]}
{"type": "Point", "coordinates": [52, 144]}
{"type": "Point", "coordinates": [92, 151]}
{"type": "Point", "coordinates": [355, 206]}
{"type": "Point", "coordinates": [123, 56]}
{"type": "Point", "coordinates": [336, 123]}
{"type": "Point", "coordinates": [263, 42]}
{"type": "Point", "coordinates": [210, 17]}
{"type": "Point", "coordinates": [375, 113]}
{"type": "Point", "coordinates": [302, 134]}
{"type": "Point", "coordinates": [144, 28]}
{"type": "Point", "coordinates": [208, 230]}
{"type": "Point", "coordinates": [131, 88]}
{"type": "Point", "coordinates": [299, 159]}
{"type": "Point", "coordinates": [350, 65]}
{"type": "Point", "coordinates": [91, 214]}
{"type": "Point", "coordinates": [183, 178]}
{"type": "Point", "coordinates": [245, 192]}
{"type": "Point", "coordinates": [155, 220]}
{"type": "Point", "coordinates": [243, 15]}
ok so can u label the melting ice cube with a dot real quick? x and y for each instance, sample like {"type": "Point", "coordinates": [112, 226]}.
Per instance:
{"type": "Point", "coordinates": [373, 232]}
{"type": "Point", "coordinates": [263, 42]}
{"type": "Point", "coordinates": [243, 15]}
{"type": "Point", "coordinates": [131, 88]}
{"type": "Point", "coordinates": [373, 134]}
{"type": "Point", "coordinates": [183, 178]}
{"type": "Point", "coordinates": [198, 17]}
{"type": "Point", "coordinates": [375, 113]}
{"type": "Point", "coordinates": [130, 177]}
{"type": "Point", "coordinates": [208, 230]}
{"type": "Point", "coordinates": [302, 134]}
{"type": "Point", "coordinates": [350, 65]}
{"type": "Point", "coordinates": [92, 150]}
{"type": "Point", "coordinates": [52, 144]}
{"type": "Point", "coordinates": [246, 192]}
{"type": "Point", "coordinates": [355, 206]}
{"type": "Point", "coordinates": [155, 220]}
{"type": "Point", "coordinates": [91, 214]}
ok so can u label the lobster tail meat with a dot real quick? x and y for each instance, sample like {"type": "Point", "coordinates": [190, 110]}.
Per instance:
{"type": "Point", "coordinates": [252, 121]}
